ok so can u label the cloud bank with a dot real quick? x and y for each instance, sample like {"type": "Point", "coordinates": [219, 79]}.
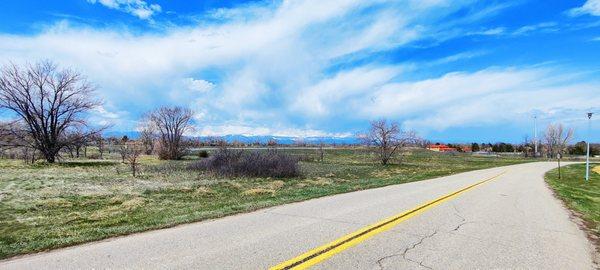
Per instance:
{"type": "Point", "coordinates": [591, 7]}
{"type": "Point", "coordinates": [291, 69]}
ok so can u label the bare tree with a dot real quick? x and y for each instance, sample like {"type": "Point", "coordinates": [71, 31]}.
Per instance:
{"type": "Point", "coordinates": [171, 123]}
{"type": "Point", "coordinates": [14, 140]}
{"type": "Point", "coordinates": [388, 138]}
{"type": "Point", "coordinates": [526, 146]}
{"type": "Point", "coordinates": [77, 140]}
{"type": "Point", "coordinates": [8, 140]}
{"type": "Point", "coordinates": [321, 151]}
{"type": "Point", "coordinates": [422, 143]}
{"type": "Point", "coordinates": [99, 141]}
{"type": "Point", "coordinates": [132, 151]}
{"type": "Point", "coordinates": [147, 130]}
{"type": "Point", "coordinates": [4, 134]}
{"type": "Point", "coordinates": [557, 139]}
{"type": "Point", "coordinates": [113, 143]}
{"type": "Point", "coordinates": [48, 102]}
{"type": "Point", "coordinates": [123, 150]}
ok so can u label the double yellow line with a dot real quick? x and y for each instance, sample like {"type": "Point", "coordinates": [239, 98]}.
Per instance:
{"type": "Point", "coordinates": [323, 252]}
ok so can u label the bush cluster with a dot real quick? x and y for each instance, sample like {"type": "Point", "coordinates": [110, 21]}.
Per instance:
{"type": "Point", "coordinates": [203, 154]}
{"type": "Point", "coordinates": [227, 162]}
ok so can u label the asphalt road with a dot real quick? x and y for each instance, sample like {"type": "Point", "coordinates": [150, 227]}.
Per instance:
{"type": "Point", "coordinates": [512, 221]}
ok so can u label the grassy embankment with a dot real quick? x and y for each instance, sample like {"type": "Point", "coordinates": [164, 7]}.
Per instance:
{"type": "Point", "coordinates": [581, 196]}
{"type": "Point", "coordinates": [45, 206]}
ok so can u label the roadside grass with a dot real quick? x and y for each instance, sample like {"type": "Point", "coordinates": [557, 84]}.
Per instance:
{"type": "Point", "coordinates": [45, 206]}
{"type": "Point", "coordinates": [581, 196]}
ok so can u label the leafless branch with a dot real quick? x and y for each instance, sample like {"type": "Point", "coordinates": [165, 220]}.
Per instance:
{"type": "Point", "coordinates": [49, 102]}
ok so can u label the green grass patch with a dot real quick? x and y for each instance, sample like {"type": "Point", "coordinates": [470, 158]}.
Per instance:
{"type": "Point", "coordinates": [580, 195]}
{"type": "Point", "coordinates": [45, 206]}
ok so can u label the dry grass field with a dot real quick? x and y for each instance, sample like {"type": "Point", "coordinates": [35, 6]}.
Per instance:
{"type": "Point", "coordinates": [45, 206]}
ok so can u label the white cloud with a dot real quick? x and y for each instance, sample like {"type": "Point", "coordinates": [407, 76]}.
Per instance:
{"type": "Point", "coordinates": [102, 112]}
{"type": "Point", "coordinates": [276, 68]}
{"type": "Point", "coordinates": [544, 27]}
{"type": "Point", "coordinates": [411, 97]}
{"type": "Point", "coordinates": [237, 129]}
{"type": "Point", "coordinates": [591, 7]}
{"type": "Point", "coordinates": [104, 117]}
{"type": "Point", "coordinates": [319, 99]}
{"type": "Point", "coordinates": [490, 32]}
{"type": "Point", "coordinates": [457, 57]}
{"type": "Point", "coordinates": [138, 8]}
{"type": "Point", "coordinates": [198, 85]}
{"type": "Point", "coordinates": [484, 97]}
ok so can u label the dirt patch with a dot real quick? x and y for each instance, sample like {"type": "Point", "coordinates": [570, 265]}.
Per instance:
{"type": "Point", "coordinates": [204, 191]}
{"type": "Point", "coordinates": [276, 184]}
{"type": "Point", "coordinates": [55, 202]}
{"type": "Point", "coordinates": [105, 213]}
{"type": "Point", "coordinates": [319, 181]}
{"type": "Point", "coordinates": [233, 185]}
{"type": "Point", "coordinates": [133, 203]}
{"type": "Point", "coordinates": [596, 169]}
{"type": "Point", "coordinates": [258, 191]}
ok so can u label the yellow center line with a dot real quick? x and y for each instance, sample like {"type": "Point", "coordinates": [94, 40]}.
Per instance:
{"type": "Point", "coordinates": [323, 252]}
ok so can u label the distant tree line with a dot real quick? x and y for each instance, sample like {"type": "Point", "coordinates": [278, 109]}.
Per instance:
{"type": "Point", "coordinates": [499, 147]}
{"type": "Point", "coordinates": [580, 148]}
{"type": "Point", "coordinates": [50, 104]}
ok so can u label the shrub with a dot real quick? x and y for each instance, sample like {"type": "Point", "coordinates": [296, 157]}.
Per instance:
{"type": "Point", "coordinates": [226, 162]}
{"type": "Point", "coordinates": [203, 154]}
{"type": "Point", "coordinates": [167, 168]}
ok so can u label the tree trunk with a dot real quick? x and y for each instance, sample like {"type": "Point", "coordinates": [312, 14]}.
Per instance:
{"type": "Point", "coordinates": [50, 158]}
{"type": "Point", "coordinates": [384, 161]}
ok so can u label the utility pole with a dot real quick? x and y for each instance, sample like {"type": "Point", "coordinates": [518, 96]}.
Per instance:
{"type": "Point", "coordinates": [558, 156]}
{"type": "Point", "coordinates": [535, 141]}
{"type": "Point", "coordinates": [587, 158]}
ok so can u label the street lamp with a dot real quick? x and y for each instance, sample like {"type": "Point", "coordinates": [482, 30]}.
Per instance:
{"type": "Point", "coordinates": [535, 140]}
{"type": "Point", "coordinates": [587, 159]}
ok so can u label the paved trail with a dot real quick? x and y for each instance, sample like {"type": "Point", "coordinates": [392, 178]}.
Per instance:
{"type": "Point", "coordinates": [511, 221]}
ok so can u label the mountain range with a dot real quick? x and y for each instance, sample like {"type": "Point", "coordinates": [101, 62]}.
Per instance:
{"type": "Point", "coordinates": [286, 140]}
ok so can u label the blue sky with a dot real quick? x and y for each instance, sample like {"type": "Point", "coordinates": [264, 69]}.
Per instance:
{"type": "Point", "coordinates": [453, 71]}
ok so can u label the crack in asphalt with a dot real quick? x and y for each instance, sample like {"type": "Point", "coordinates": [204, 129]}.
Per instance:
{"type": "Point", "coordinates": [462, 222]}
{"type": "Point", "coordinates": [406, 250]}
{"type": "Point", "coordinates": [463, 219]}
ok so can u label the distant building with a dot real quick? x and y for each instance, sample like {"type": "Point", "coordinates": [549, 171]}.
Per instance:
{"type": "Point", "coordinates": [441, 148]}
{"type": "Point", "coordinates": [466, 148]}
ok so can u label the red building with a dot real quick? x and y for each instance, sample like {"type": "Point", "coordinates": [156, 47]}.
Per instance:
{"type": "Point", "coordinates": [441, 148]}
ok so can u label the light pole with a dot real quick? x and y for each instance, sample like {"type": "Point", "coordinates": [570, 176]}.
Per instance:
{"type": "Point", "coordinates": [587, 158]}
{"type": "Point", "coordinates": [535, 142]}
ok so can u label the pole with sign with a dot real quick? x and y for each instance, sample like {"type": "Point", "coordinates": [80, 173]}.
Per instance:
{"type": "Point", "coordinates": [587, 158]}
{"type": "Point", "coordinates": [558, 159]}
